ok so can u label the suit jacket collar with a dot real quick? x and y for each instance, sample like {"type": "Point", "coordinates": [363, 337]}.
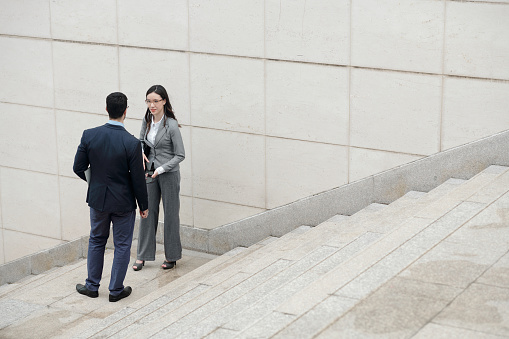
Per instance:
{"type": "Point", "coordinates": [160, 133]}
{"type": "Point", "coordinates": [113, 126]}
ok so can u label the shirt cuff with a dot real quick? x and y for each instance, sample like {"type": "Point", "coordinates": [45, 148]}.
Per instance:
{"type": "Point", "coordinates": [160, 170]}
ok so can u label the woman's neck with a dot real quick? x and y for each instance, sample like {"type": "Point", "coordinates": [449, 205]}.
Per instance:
{"type": "Point", "coordinates": [157, 117]}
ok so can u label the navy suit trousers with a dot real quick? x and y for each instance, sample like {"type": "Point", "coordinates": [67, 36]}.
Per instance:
{"type": "Point", "coordinates": [123, 227]}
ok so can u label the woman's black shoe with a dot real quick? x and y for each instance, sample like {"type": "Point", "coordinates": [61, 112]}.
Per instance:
{"type": "Point", "coordinates": [168, 264]}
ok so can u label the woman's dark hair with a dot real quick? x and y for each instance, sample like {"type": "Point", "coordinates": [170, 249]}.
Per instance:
{"type": "Point", "coordinates": [168, 110]}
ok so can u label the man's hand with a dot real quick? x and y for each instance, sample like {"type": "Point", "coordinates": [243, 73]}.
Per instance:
{"type": "Point", "coordinates": [144, 214]}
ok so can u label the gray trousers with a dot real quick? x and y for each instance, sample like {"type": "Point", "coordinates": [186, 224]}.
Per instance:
{"type": "Point", "coordinates": [167, 187]}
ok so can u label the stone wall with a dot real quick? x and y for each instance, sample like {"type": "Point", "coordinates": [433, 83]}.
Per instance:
{"type": "Point", "coordinates": [278, 100]}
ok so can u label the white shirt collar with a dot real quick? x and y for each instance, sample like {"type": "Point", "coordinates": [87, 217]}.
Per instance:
{"type": "Point", "coordinates": [156, 123]}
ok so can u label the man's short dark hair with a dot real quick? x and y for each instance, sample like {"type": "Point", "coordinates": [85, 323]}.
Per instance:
{"type": "Point", "coordinates": [116, 104]}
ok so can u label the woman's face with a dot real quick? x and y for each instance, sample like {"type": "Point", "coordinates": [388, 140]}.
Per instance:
{"type": "Point", "coordinates": [155, 104]}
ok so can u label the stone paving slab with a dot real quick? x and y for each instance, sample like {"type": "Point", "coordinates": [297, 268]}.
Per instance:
{"type": "Point", "coordinates": [318, 318]}
{"type": "Point", "coordinates": [151, 312]}
{"type": "Point", "coordinates": [480, 307]}
{"type": "Point", "coordinates": [364, 283]}
{"type": "Point", "coordinates": [171, 313]}
{"type": "Point", "coordinates": [406, 254]}
{"type": "Point", "coordinates": [34, 280]}
{"type": "Point", "coordinates": [347, 230]}
{"type": "Point", "coordinates": [236, 310]}
{"type": "Point", "coordinates": [106, 312]}
{"type": "Point", "coordinates": [190, 280]}
{"type": "Point", "coordinates": [462, 193]}
{"type": "Point", "coordinates": [489, 227]}
{"type": "Point", "coordinates": [288, 287]}
{"type": "Point", "coordinates": [14, 310]}
{"type": "Point", "coordinates": [374, 274]}
{"type": "Point", "coordinates": [348, 270]}
{"type": "Point", "coordinates": [389, 313]}
{"type": "Point", "coordinates": [55, 292]}
{"type": "Point", "coordinates": [498, 274]}
{"type": "Point", "coordinates": [222, 333]}
{"type": "Point", "coordinates": [268, 326]}
{"type": "Point", "coordinates": [265, 255]}
{"type": "Point", "coordinates": [218, 294]}
{"type": "Point", "coordinates": [222, 300]}
{"type": "Point", "coordinates": [436, 331]}
{"type": "Point", "coordinates": [492, 191]}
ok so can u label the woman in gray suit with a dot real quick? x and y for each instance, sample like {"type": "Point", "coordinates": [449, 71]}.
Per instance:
{"type": "Point", "coordinates": [163, 151]}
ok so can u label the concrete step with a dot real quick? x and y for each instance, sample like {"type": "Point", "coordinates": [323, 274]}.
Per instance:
{"type": "Point", "coordinates": [214, 320]}
{"type": "Point", "coordinates": [284, 285]}
{"type": "Point", "coordinates": [291, 273]}
{"type": "Point", "coordinates": [159, 299]}
{"type": "Point", "coordinates": [48, 303]}
{"type": "Point", "coordinates": [448, 287]}
{"type": "Point", "coordinates": [181, 293]}
{"type": "Point", "coordinates": [351, 284]}
{"type": "Point", "coordinates": [357, 276]}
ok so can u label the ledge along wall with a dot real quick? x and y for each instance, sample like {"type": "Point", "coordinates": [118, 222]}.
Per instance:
{"type": "Point", "coordinates": [278, 101]}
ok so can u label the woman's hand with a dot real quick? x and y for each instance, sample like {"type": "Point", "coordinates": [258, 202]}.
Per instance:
{"type": "Point", "coordinates": [155, 174]}
{"type": "Point", "coordinates": [144, 159]}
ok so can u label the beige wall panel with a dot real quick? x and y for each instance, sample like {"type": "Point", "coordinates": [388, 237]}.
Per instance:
{"type": "Point", "coordinates": [234, 27]}
{"type": "Point", "coordinates": [366, 162]}
{"type": "Point", "coordinates": [91, 21]}
{"type": "Point", "coordinates": [2, 250]}
{"type": "Point", "coordinates": [1, 219]}
{"type": "Point", "coordinates": [227, 93]}
{"type": "Point", "coordinates": [402, 35]}
{"type": "Point", "coordinates": [74, 208]}
{"type": "Point", "coordinates": [28, 138]}
{"type": "Point", "coordinates": [17, 244]}
{"type": "Point", "coordinates": [395, 111]}
{"type": "Point", "coordinates": [186, 210]}
{"type": "Point", "coordinates": [229, 167]}
{"type": "Point", "coordinates": [132, 125]}
{"type": "Point", "coordinates": [26, 18]}
{"type": "Point", "coordinates": [307, 102]}
{"type": "Point", "coordinates": [30, 202]}
{"type": "Point", "coordinates": [473, 109]}
{"type": "Point", "coordinates": [84, 75]}
{"type": "Point", "coordinates": [142, 68]}
{"type": "Point", "coordinates": [70, 127]}
{"type": "Point", "coordinates": [211, 214]}
{"type": "Point", "coordinates": [492, 1]}
{"type": "Point", "coordinates": [476, 42]}
{"type": "Point", "coordinates": [314, 31]}
{"type": "Point", "coordinates": [157, 24]}
{"type": "Point", "coordinates": [26, 71]}
{"type": "Point", "coordinates": [186, 174]}
{"type": "Point", "coordinates": [297, 169]}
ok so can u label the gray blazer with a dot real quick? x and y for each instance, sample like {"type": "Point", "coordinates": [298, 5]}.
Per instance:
{"type": "Point", "coordinates": [168, 148]}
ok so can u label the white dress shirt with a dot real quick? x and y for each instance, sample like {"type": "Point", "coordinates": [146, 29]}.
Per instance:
{"type": "Point", "coordinates": [151, 136]}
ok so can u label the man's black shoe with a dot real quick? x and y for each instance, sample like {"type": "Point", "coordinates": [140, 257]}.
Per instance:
{"type": "Point", "coordinates": [124, 294]}
{"type": "Point", "coordinates": [82, 289]}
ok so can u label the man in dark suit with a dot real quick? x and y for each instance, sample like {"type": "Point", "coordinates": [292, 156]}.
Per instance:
{"type": "Point", "coordinates": [116, 182]}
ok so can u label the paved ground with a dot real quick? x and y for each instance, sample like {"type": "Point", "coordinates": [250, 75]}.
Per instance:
{"type": "Point", "coordinates": [45, 305]}
{"type": "Point", "coordinates": [429, 265]}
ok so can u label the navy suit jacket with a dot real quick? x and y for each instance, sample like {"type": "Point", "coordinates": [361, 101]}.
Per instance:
{"type": "Point", "coordinates": [117, 178]}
